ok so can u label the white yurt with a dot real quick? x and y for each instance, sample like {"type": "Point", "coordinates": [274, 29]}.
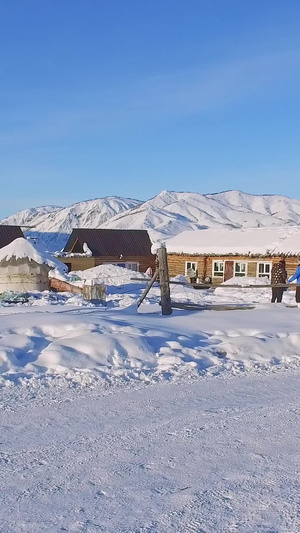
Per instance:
{"type": "Point", "coordinates": [23, 268]}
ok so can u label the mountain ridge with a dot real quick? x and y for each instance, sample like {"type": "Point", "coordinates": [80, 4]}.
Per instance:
{"type": "Point", "coordinates": [164, 215]}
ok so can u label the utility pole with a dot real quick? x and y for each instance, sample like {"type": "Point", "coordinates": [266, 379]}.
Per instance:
{"type": "Point", "coordinates": [164, 281]}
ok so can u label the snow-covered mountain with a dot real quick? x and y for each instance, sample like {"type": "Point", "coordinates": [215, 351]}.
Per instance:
{"type": "Point", "coordinates": [170, 213]}
{"type": "Point", "coordinates": [164, 216]}
{"type": "Point", "coordinates": [51, 225]}
{"type": "Point", "coordinates": [87, 214]}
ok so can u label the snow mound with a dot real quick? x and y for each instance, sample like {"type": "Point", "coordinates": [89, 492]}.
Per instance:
{"type": "Point", "coordinates": [244, 295]}
{"type": "Point", "coordinates": [180, 279]}
{"type": "Point", "coordinates": [246, 281]}
{"type": "Point", "coordinates": [89, 350]}
{"type": "Point", "coordinates": [110, 275]}
{"type": "Point", "coordinates": [94, 346]}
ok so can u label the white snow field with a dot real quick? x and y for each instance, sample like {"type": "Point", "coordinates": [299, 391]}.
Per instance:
{"type": "Point", "coordinates": [121, 421]}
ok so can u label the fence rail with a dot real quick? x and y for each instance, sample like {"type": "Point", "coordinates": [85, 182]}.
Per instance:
{"type": "Point", "coordinates": [211, 286]}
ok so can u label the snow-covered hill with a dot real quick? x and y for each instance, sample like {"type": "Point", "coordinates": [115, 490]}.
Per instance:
{"type": "Point", "coordinates": [164, 216]}
{"type": "Point", "coordinates": [51, 225]}
{"type": "Point", "coordinates": [170, 213]}
{"type": "Point", "coordinates": [87, 214]}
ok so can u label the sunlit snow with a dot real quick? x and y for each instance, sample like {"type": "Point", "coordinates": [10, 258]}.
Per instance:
{"type": "Point", "coordinates": [125, 421]}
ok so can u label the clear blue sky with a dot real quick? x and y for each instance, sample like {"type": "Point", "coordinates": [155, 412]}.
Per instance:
{"type": "Point", "coordinates": [130, 97]}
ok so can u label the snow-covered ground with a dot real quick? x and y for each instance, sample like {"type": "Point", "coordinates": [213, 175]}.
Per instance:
{"type": "Point", "coordinates": [122, 421]}
{"type": "Point", "coordinates": [215, 455]}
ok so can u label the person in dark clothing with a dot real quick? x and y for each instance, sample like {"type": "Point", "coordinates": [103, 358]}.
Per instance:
{"type": "Point", "coordinates": [278, 275]}
{"type": "Point", "coordinates": [297, 277]}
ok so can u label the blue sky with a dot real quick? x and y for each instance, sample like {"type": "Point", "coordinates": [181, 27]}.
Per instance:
{"type": "Point", "coordinates": [130, 97]}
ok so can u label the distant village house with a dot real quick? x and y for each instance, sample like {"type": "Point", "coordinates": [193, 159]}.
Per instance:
{"type": "Point", "coordinates": [87, 248]}
{"type": "Point", "coordinates": [217, 255]}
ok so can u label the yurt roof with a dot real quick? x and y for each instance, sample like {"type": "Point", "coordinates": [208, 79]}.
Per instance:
{"type": "Point", "coordinates": [21, 248]}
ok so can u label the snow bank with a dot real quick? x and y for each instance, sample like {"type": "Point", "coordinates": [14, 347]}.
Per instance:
{"type": "Point", "coordinates": [121, 290]}
{"type": "Point", "coordinates": [110, 275]}
{"type": "Point", "coordinates": [247, 281]}
{"type": "Point", "coordinates": [244, 295]}
{"type": "Point", "coordinates": [121, 346]}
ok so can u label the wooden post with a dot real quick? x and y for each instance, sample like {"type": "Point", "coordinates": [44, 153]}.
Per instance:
{"type": "Point", "coordinates": [153, 279]}
{"type": "Point", "coordinates": [164, 281]}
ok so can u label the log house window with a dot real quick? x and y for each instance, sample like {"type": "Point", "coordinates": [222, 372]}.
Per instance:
{"type": "Point", "coordinates": [131, 266]}
{"type": "Point", "coordinates": [264, 270]}
{"type": "Point", "coordinates": [191, 268]}
{"type": "Point", "coordinates": [240, 269]}
{"type": "Point", "coordinates": [218, 269]}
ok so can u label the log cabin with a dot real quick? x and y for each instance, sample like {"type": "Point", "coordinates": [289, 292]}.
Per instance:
{"type": "Point", "coordinates": [216, 255]}
{"type": "Point", "coordinates": [87, 248]}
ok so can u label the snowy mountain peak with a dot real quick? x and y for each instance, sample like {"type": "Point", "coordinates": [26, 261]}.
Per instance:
{"type": "Point", "coordinates": [164, 215]}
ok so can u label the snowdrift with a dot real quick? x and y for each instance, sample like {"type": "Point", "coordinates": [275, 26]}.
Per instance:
{"type": "Point", "coordinates": [121, 347]}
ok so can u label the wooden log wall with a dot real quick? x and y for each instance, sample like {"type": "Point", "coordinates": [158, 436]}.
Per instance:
{"type": "Point", "coordinates": [291, 265]}
{"type": "Point", "coordinates": [204, 264]}
{"type": "Point", "coordinates": [78, 263]}
{"type": "Point", "coordinates": [177, 264]}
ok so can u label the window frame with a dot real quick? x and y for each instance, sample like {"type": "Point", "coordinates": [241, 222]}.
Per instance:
{"type": "Point", "coordinates": [240, 275]}
{"type": "Point", "coordinates": [126, 264]}
{"type": "Point", "coordinates": [191, 263]}
{"type": "Point", "coordinates": [133, 263]}
{"type": "Point", "coordinates": [258, 275]}
{"type": "Point", "coordinates": [213, 268]}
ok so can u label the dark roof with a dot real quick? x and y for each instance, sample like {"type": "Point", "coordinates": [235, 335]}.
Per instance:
{"type": "Point", "coordinates": [110, 242]}
{"type": "Point", "coordinates": [9, 234]}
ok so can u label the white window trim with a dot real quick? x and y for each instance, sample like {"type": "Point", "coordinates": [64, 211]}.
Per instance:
{"type": "Point", "coordinates": [195, 263]}
{"type": "Point", "coordinates": [213, 269]}
{"type": "Point", "coordinates": [246, 272]}
{"type": "Point", "coordinates": [116, 263]}
{"type": "Point", "coordinates": [133, 263]}
{"type": "Point", "coordinates": [264, 263]}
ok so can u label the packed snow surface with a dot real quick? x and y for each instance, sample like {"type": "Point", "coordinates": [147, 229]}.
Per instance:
{"type": "Point", "coordinates": [122, 422]}
{"type": "Point", "coordinates": [127, 421]}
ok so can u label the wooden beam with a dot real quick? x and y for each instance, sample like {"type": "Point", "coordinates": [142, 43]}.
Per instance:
{"type": "Point", "coordinates": [211, 307]}
{"type": "Point", "coordinates": [153, 279]}
{"type": "Point", "coordinates": [164, 281]}
{"type": "Point", "coordinates": [211, 286]}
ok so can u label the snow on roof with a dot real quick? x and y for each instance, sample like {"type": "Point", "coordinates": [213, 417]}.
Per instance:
{"type": "Point", "coordinates": [248, 241]}
{"type": "Point", "coordinates": [21, 248]}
